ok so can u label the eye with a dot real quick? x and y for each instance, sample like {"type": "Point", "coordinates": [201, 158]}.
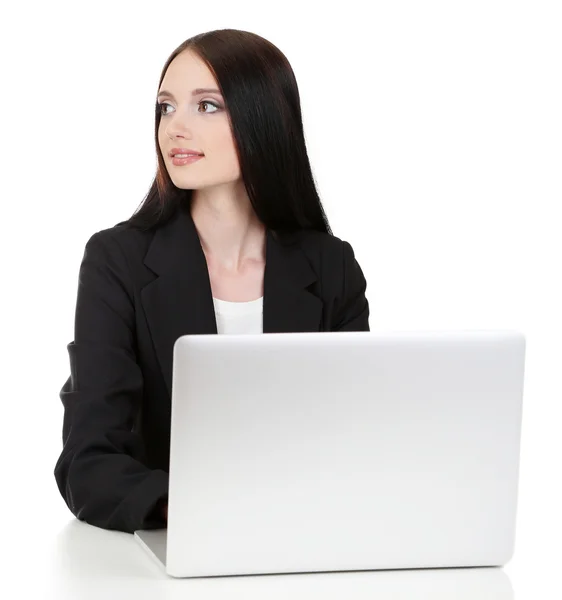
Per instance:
{"type": "Point", "coordinates": [211, 103]}
{"type": "Point", "coordinates": [161, 105]}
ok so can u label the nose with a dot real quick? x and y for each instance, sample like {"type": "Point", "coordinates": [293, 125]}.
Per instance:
{"type": "Point", "coordinates": [179, 124]}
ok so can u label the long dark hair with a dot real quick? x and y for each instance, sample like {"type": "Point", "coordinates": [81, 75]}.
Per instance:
{"type": "Point", "coordinates": [262, 99]}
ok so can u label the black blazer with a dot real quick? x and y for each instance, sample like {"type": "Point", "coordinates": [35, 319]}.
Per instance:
{"type": "Point", "coordinates": [137, 293]}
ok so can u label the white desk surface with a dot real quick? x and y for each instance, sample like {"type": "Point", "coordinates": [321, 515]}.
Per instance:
{"type": "Point", "coordinates": [74, 560]}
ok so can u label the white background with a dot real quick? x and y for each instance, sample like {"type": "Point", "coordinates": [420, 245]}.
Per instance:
{"type": "Point", "coordinates": [434, 131]}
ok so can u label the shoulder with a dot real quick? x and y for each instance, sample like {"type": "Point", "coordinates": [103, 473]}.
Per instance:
{"type": "Point", "coordinates": [119, 253]}
{"type": "Point", "coordinates": [326, 251]}
{"type": "Point", "coordinates": [120, 240]}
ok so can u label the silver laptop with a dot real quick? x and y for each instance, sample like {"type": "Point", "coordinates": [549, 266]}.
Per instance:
{"type": "Point", "coordinates": [337, 451]}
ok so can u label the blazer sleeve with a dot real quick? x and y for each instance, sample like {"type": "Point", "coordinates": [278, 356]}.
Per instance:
{"type": "Point", "coordinates": [352, 313]}
{"type": "Point", "coordinates": [101, 472]}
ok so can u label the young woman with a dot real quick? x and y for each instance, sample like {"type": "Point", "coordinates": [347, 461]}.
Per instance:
{"type": "Point", "coordinates": [231, 238]}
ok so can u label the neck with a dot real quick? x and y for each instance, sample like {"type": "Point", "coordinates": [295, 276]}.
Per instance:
{"type": "Point", "coordinates": [232, 237]}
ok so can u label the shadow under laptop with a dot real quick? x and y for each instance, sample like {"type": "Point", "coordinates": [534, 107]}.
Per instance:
{"type": "Point", "coordinates": [89, 561]}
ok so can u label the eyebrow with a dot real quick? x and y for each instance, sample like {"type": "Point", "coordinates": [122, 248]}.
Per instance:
{"type": "Point", "coordinates": [193, 93]}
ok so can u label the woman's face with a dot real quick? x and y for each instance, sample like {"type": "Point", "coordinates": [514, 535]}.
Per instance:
{"type": "Point", "coordinates": [196, 121]}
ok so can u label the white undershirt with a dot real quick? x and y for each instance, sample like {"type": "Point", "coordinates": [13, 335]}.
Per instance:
{"type": "Point", "coordinates": [239, 317]}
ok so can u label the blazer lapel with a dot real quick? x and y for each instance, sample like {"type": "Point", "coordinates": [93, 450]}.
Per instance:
{"type": "Point", "coordinates": [179, 301]}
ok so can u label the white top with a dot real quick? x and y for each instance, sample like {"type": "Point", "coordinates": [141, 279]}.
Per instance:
{"type": "Point", "coordinates": [239, 317]}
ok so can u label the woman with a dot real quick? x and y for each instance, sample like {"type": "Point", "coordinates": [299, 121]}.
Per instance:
{"type": "Point", "coordinates": [232, 240]}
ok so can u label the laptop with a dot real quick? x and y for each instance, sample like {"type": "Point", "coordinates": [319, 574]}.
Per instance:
{"type": "Point", "coordinates": [339, 451]}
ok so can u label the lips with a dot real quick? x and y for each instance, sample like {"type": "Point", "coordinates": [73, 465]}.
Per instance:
{"type": "Point", "coordinates": [187, 151]}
